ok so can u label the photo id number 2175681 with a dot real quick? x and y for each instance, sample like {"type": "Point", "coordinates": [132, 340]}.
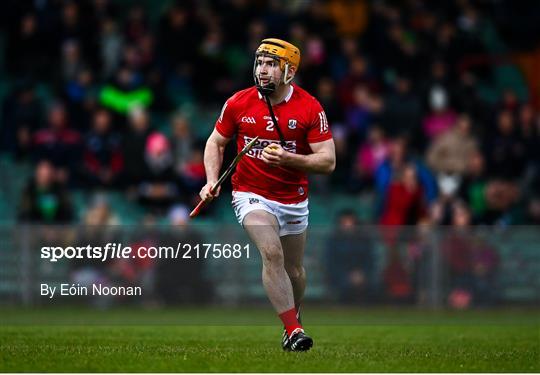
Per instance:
{"type": "Point", "coordinates": [215, 250]}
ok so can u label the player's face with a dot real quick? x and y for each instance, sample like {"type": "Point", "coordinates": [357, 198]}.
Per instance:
{"type": "Point", "coordinates": [267, 70]}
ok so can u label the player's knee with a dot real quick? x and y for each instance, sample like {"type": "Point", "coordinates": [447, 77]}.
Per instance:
{"type": "Point", "coordinates": [295, 271]}
{"type": "Point", "coordinates": [272, 256]}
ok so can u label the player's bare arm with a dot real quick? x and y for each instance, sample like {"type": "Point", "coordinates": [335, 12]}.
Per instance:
{"type": "Point", "coordinates": [322, 160]}
{"type": "Point", "coordinates": [213, 159]}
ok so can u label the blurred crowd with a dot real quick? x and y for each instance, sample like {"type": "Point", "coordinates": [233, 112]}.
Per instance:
{"type": "Point", "coordinates": [400, 85]}
{"type": "Point", "coordinates": [459, 265]}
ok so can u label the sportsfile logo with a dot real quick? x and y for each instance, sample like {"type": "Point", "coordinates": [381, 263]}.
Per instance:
{"type": "Point", "coordinates": [256, 150]}
{"type": "Point", "coordinates": [119, 251]}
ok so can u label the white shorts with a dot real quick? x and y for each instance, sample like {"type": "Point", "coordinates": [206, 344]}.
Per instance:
{"type": "Point", "coordinates": [292, 218]}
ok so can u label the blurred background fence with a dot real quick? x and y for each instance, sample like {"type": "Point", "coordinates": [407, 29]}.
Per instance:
{"type": "Point", "coordinates": [348, 264]}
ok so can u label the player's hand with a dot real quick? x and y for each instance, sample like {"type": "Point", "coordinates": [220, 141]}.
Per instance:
{"type": "Point", "coordinates": [274, 155]}
{"type": "Point", "coordinates": [205, 193]}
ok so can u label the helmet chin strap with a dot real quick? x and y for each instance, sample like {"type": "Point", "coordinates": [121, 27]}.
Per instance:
{"type": "Point", "coordinates": [266, 89]}
{"type": "Point", "coordinates": [271, 87]}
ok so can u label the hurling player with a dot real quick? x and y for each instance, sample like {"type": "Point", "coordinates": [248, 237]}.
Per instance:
{"type": "Point", "coordinates": [270, 186]}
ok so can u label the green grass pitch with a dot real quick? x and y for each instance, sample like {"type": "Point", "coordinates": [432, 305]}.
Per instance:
{"type": "Point", "coordinates": [248, 340]}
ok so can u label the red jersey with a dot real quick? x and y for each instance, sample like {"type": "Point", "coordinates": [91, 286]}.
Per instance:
{"type": "Point", "coordinates": [301, 120]}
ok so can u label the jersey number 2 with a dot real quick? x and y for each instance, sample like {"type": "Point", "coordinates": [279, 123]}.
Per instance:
{"type": "Point", "coordinates": [270, 126]}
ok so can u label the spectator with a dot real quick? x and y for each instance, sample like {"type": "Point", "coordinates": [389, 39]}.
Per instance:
{"type": "Point", "coordinates": [501, 196]}
{"type": "Point", "coordinates": [358, 77]}
{"type": "Point", "coordinates": [103, 158]}
{"type": "Point", "coordinates": [509, 101]}
{"type": "Point", "coordinates": [134, 145]}
{"type": "Point", "coordinates": [404, 202]}
{"type": "Point", "coordinates": [369, 157]}
{"type": "Point", "coordinates": [450, 153]}
{"type": "Point", "coordinates": [26, 48]}
{"type": "Point", "coordinates": [182, 282]}
{"type": "Point", "coordinates": [397, 280]}
{"type": "Point", "coordinates": [505, 151]}
{"type": "Point", "coordinates": [211, 57]}
{"type": "Point", "coordinates": [45, 199]}
{"type": "Point", "coordinates": [457, 248]}
{"type": "Point", "coordinates": [103, 10]}
{"type": "Point", "coordinates": [532, 214]}
{"type": "Point", "coordinates": [111, 43]}
{"type": "Point", "coordinates": [341, 59]}
{"type": "Point", "coordinates": [100, 212]}
{"type": "Point", "coordinates": [397, 159]}
{"type": "Point", "coordinates": [159, 187]}
{"type": "Point", "coordinates": [315, 58]}
{"type": "Point", "coordinates": [193, 172]}
{"type": "Point", "coordinates": [277, 20]}
{"type": "Point", "coordinates": [179, 23]}
{"type": "Point", "coordinates": [326, 93]}
{"type": "Point", "coordinates": [72, 62]}
{"type": "Point", "coordinates": [99, 229]}
{"type": "Point", "coordinates": [318, 21]}
{"type": "Point", "coordinates": [182, 142]}
{"type": "Point", "coordinates": [73, 26]}
{"type": "Point", "coordinates": [472, 262]}
{"type": "Point", "coordinates": [137, 24]}
{"type": "Point", "coordinates": [441, 118]}
{"type": "Point", "coordinates": [21, 116]}
{"type": "Point", "coordinates": [447, 203]}
{"type": "Point", "coordinates": [81, 97]}
{"type": "Point", "coordinates": [473, 186]}
{"type": "Point", "coordinates": [363, 111]}
{"type": "Point", "coordinates": [234, 15]}
{"type": "Point", "coordinates": [401, 109]}
{"type": "Point", "coordinates": [350, 17]}
{"type": "Point", "coordinates": [468, 100]}
{"type": "Point", "coordinates": [58, 143]}
{"type": "Point", "coordinates": [485, 263]}
{"type": "Point", "coordinates": [403, 52]}
{"type": "Point", "coordinates": [350, 261]}
{"type": "Point", "coordinates": [421, 253]}
{"type": "Point", "coordinates": [529, 135]}
{"type": "Point", "coordinates": [138, 270]}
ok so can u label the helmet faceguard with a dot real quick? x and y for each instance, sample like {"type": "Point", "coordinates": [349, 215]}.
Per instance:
{"type": "Point", "coordinates": [286, 54]}
{"type": "Point", "coordinates": [271, 86]}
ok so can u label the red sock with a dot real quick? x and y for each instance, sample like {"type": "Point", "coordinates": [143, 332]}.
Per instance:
{"type": "Point", "coordinates": [289, 320]}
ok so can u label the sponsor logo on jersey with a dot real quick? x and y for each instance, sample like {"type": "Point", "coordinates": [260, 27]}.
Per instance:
{"type": "Point", "coordinates": [292, 124]}
{"type": "Point", "coordinates": [248, 120]}
{"type": "Point", "coordinates": [256, 150]}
